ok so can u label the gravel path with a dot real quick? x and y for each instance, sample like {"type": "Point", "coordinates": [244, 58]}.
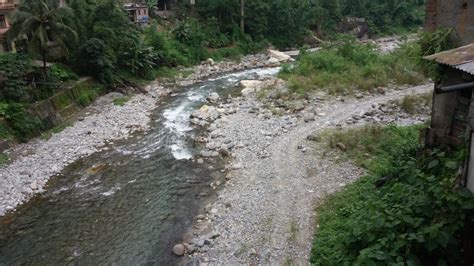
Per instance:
{"type": "Point", "coordinates": [264, 213]}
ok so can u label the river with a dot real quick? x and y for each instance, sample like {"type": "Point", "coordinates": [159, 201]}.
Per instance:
{"type": "Point", "coordinates": [127, 205]}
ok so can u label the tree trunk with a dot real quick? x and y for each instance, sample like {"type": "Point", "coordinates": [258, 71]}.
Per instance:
{"type": "Point", "coordinates": [45, 69]}
{"type": "Point", "coordinates": [242, 16]}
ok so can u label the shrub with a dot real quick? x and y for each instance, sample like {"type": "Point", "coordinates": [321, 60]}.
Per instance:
{"type": "Point", "coordinates": [415, 216]}
{"type": "Point", "coordinates": [23, 124]}
{"type": "Point", "coordinates": [95, 58]}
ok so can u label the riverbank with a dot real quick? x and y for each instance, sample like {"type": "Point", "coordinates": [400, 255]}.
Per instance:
{"type": "Point", "coordinates": [97, 126]}
{"type": "Point", "coordinates": [264, 208]}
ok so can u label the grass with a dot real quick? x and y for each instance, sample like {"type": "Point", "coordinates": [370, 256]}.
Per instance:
{"type": "Point", "coordinates": [122, 100]}
{"type": "Point", "coordinates": [370, 146]}
{"type": "Point", "coordinates": [407, 211]}
{"type": "Point", "coordinates": [347, 66]}
{"type": "Point", "coordinates": [411, 103]}
{"type": "Point", "coordinates": [55, 130]}
{"type": "Point", "coordinates": [4, 158]}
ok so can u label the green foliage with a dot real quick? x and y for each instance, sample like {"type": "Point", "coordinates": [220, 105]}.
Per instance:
{"type": "Point", "coordinates": [122, 101]}
{"type": "Point", "coordinates": [86, 93]}
{"type": "Point", "coordinates": [416, 217]}
{"type": "Point", "coordinates": [432, 43]}
{"type": "Point", "coordinates": [61, 73]}
{"type": "Point", "coordinates": [140, 59]}
{"type": "Point", "coordinates": [23, 124]}
{"type": "Point", "coordinates": [410, 103]}
{"type": "Point", "coordinates": [43, 22]}
{"type": "Point", "coordinates": [97, 59]}
{"type": "Point", "coordinates": [55, 130]}
{"type": "Point", "coordinates": [15, 68]}
{"type": "Point", "coordinates": [345, 66]}
{"type": "Point", "coordinates": [166, 48]}
{"type": "Point", "coordinates": [3, 158]}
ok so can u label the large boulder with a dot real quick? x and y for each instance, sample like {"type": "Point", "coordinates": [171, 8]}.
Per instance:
{"type": "Point", "coordinates": [280, 56]}
{"type": "Point", "coordinates": [179, 250]}
{"type": "Point", "coordinates": [254, 86]}
{"type": "Point", "coordinates": [251, 86]}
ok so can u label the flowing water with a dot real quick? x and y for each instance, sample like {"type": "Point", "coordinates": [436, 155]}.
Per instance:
{"type": "Point", "coordinates": [127, 205]}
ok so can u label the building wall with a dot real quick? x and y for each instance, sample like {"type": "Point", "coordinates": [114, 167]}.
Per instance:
{"type": "Point", "coordinates": [457, 14]}
{"type": "Point", "coordinates": [443, 110]}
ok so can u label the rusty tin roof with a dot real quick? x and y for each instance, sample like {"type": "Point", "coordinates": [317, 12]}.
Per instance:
{"type": "Point", "coordinates": [461, 58]}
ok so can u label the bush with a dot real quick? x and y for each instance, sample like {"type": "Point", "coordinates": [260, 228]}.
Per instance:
{"type": "Point", "coordinates": [14, 68]}
{"type": "Point", "coordinates": [95, 58]}
{"type": "Point", "coordinates": [61, 73]}
{"type": "Point", "coordinates": [23, 124]}
{"type": "Point", "coordinates": [415, 216]}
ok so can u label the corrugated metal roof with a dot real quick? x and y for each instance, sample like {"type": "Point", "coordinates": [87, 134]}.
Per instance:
{"type": "Point", "coordinates": [461, 58]}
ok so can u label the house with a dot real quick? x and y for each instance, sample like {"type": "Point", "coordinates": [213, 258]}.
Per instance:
{"type": "Point", "coordinates": [6, 7]}
{"type": "Point", "coordinates": [137, 13]}
{"type": "Point", "coordinates": [452, 119]}
{"type": "Point", "coordinates": [455, 14]}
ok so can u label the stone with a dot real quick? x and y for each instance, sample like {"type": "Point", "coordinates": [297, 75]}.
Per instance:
{"type": "Point", "coordinates": [309, 118]}
{"type": "Point", "coordinates": [280, 56]}
{"type": "Point", "coordinates": [34, 186]}
{"type": "Point", "coordinates": [312, 137]}
{"type": "Point", "coordinates": [341, 146]}
{"type": "Point", "coordinates": [224, 151]}
{"type": "Point", "coordinates": [209, 62]}
{"type": "Point", "coordinates": [236, 166]}
{"type": "Point", "coordinates": [213, 97]}
{"type": "Point", "coordinates": [273, 61]}
{"type": "Point", "coordinates": [179, 249]}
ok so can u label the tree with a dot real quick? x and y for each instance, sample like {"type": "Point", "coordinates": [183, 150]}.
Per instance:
{"type": "Point", "coordinates": [44, 24]}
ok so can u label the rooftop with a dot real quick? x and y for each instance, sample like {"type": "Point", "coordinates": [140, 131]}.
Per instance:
{"type": "Point", "coordinates": [461, 58]}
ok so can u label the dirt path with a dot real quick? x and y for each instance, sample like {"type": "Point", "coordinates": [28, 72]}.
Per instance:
{"type": "Point", "coordinates": [264, 214]}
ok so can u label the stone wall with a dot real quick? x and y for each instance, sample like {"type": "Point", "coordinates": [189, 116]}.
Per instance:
{"type": "Point", "coordinates": [457, 14]}
{"type": "Point", "coordinates": [65, 104]}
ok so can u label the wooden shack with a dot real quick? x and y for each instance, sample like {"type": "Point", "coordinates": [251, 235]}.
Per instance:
{"type": "Point", "coordinates": [452, 121]}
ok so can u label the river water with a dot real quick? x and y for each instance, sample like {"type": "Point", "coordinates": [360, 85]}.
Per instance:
{"type": "Point", "coordinates": [127, 205]}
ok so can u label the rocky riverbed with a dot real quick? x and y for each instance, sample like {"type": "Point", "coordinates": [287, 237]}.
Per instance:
{"type": "Point", "coordinates": [97, 127]}
{"type": "Point", "coordinates": [264, 208]}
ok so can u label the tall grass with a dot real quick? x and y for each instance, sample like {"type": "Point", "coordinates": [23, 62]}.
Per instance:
{"type": "Point", "coordinates": [347, 66]}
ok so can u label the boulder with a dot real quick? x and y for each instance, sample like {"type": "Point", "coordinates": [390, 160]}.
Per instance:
{"type": "Point", "coordinates": [213, 97]}
{"type": "Point", "coordinates": [273, 61]}
{"type": "Point", "coordinates": [280, 56]}
{"type": "Point", "coordinates": [209, 62]}
{"type": "Point", "coordinates": [179, 249]}
{"type": "Point", "coordinates": [251, 86]}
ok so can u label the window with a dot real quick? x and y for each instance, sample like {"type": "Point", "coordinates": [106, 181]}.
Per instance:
{"type": "Point", "coordinates": [3, 22]}
{"type": "Point", "coordinates": [139, 11]}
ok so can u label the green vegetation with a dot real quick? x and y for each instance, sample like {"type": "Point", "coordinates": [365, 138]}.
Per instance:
{"type": "Point", "coordinates": [96, 38]}
{"type": "Point", "coordinates": [285, 23]}
{"type": "Point", "coordinates": [122, 101]}
{"type": "Point", "coordinates": [346, 66]}
{"type": "Point", "coordinates": [55, 130]}
{"type": "Point", "coordinates": [3, 158]}
{"type": "Point", "coordinates": [42, 22]}
{"type": "Point", "coordinates": [408, 210]}
{"type": "Point", "coordinates": [410, 103]}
